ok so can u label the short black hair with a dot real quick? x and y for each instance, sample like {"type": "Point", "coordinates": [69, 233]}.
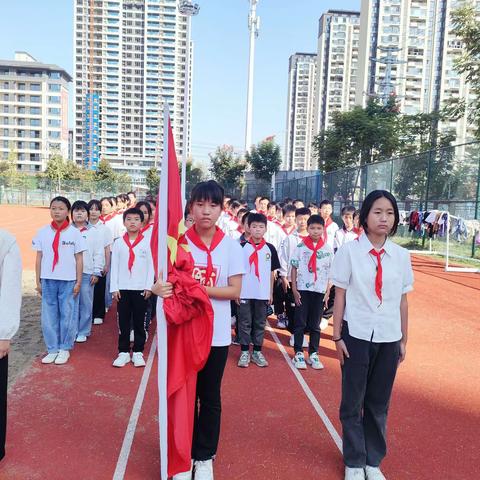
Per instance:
{"type": "Point", "coordinates": [235, 204]}
{"type": "Point", "coordinates": [133, 211]}
{"type": "Point", "coordinates": [315, 220]}
{"type": "Point", "coordinates": [209, 191]}
{"type": "Point", "coordinates": [298, 200]}
{"type": "Point", "coordinates": [302, 211]}
{"type": "Point", "coordinates": [312, 205]}
{"type": "Point", "coordinates": [147, 206]}
{"type": "Point", "coordinates": [348, 209]}
{"type": "Point", "coordinates": [356, 213]}
{"type": "Point", "coordinates": [243, 215]}
{"type": "Point", "coordinates": [367, 205]}
{"type": "Point", "coordinates": [106, 199]}
{"type": "Point", "coordinates": [132, 193]}
{"type": "Point", "coordinates": [256, 217]}
{"type": "Point", "coordinates": [64, 200]}
{"type": "Point", "coordinates": [288, 208]}
{"type": "Point", "coordinates": [114, 200]}
{"type": "Point", "coordinates": [95, 202]}
{"type": "Point", "coordinates": [264, 198]}
{"type": "Point", "coordinates": [287, 200]}
{"type": "Point", "coordinates": [325, 202]}
{"type": "Point", "coordinates": [80, 205]}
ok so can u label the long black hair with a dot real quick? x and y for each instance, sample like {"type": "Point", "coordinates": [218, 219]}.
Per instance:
{"type": "Point", "coordinates": [367, 205]}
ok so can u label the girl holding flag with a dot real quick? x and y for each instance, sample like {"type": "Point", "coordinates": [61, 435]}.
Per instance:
{"type": "Point", "coordinates": [372, 276]}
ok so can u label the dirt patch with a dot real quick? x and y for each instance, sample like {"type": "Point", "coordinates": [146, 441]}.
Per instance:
{"type": "Point", "coordinates": [28, 342]}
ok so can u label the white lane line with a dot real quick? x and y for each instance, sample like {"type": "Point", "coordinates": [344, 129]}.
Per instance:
{"type": "Point", "coordinates": [316, 405]}
{"type": "Point", "coordinates": [132, 423]}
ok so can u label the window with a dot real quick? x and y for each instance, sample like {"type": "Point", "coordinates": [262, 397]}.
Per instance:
{"type": "Point", "coordinates": [54, 111]}
{"type": "Point", "coordinates": [35, 111]}
{"type": "Point", "coordinates": [53, 134]}
{"type": "Point", "coordinates": [53, 99]}
{"type": "Point", "coordinates": [36, 87]}
{"type": "Point", "coordinates": [54, 123]}
{"type": "Point", "coordinates": [55, 75]}
{"type": "Point", "coordinates": [53, 87]}
{"type": "Point", "coordinates": [35, 98]}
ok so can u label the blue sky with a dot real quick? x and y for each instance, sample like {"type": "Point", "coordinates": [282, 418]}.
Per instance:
{"type": "Point", "coordinates": [220, 34]}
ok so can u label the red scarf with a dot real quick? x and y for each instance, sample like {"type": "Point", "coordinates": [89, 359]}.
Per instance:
{"type": "Point", "coordinates": [105, 218]}
{"type": "Point", "coordinates": [379, 275]}
{"type": "Point", "coordinates": [193, 236]}
{"type": "Point", "coordinates": [254, 256]}
{"type": "Point", "coordinates": [56, 240]}
{"type": "Point", "coordinates": [312, 263]}
{"type": "Point", "coordinates": [82, 229]}
{"type": "Point", "coordinates": [145, 228]}
{"type": "Point", "coordinates": [131, 246]}
{"type": "Point", "coordinates": [285, 229]}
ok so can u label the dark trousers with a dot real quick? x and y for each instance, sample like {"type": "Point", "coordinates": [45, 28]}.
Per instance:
{"type": "Point", "coordinates": [3, 403]}
{"type": "Point", "coordinates": [251, 321]}
{"type": "Point", "coordinates": [278, 297]}
{"type": "Point", "coordinates": [98, 309]}
{"type": "Point", "coordinates": [208, 406]}
{"type": "Point", "coordinates": [131, 308]}
{"type": "Point", "coordinates": [367, 381]}
{"type": "Point", "coordinates": [328, 310]}
{"type": "Point", "coordinates": [290, 308]}
{"type": "Point", "coordinates": [307, 318]}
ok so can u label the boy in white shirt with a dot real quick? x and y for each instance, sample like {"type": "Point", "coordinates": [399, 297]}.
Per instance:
{"type": "Point", "coordinates": [93, 264]}
{"type": "Point", "coordinates": [348, 232]}
{"type": "Point", "coordinates": [261, 260]}
{"type": "Point", "coordinates": [311, 262]}
{"type": "Point", "coordinates": [130, 284]}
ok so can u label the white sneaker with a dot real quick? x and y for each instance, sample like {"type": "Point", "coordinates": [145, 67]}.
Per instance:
{"type": "Point", "coordinates": [122, 359]}
{"type": "Point", "coordinates": [97, 321]}
{"type": "Point", "coordinates": [323, 323]}
{"type": "Point", "coordinates": [49, 358]}
{"type": "Point", "coordinates": [62, 357]}
{"type": "Point", "coordinates": [138, 360]}
{"type": "Point", "coordinates": [81, 339]}
{"type": "Point", "coordinates": [244, 360]}
{"type": "Point", "coordinates": [299, 361]}
{"type": "Point", "coordinates": [354, 473]}
{"type": "Point", "coordinates": [132, 336]}
{"type": "Point", "coordinates": [184, 475]}
{"type": "Point", "coordinates": [373, 473]}
{"type": "Point", "coordinates": [315, 362]}
{"type": "Point", "coordinates": [204, 470]}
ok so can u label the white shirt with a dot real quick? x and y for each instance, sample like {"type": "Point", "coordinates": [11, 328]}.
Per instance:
{"type": "Point", "coordinates": [106, 232]}
{"type": "Point", "coordinates": [231, 229]}
{"type": "Point", "coordinates": [141, 276]}
{"type": "Point", "coordinates": [227, 259]}
{"type": "Point", "coordinates": [254, 288]}
{"type": "Point", "coordinates": [94, 255]}
{"type": "Point", "coordinates": [354, 269]}
{"type": "Point", "coordinates": [114, 225]}
{"type": "Point", "coordinates": [286, 250]}
{"type": "Point", "coordinates": [306, 279]}
{"type": "Point", "coordinates": [331, 231]}
{"type": "Point", "coordinates": [274, 234]}
{"type": "Point", "coordinates": [343, 236]}
{"type": "Point", "coordinates": [71, 242]}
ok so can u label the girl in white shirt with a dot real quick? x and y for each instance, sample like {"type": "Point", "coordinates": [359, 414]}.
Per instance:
{"type": "Point", "coordinates": [219, 266]}
{"type": "Point", "coordinates": [372, 276]}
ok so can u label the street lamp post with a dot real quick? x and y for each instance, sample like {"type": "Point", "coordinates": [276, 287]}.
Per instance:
{"type": "Point", "coordinates": [188, 9]}
{"type": "Point", "coordinates": [253, 26]}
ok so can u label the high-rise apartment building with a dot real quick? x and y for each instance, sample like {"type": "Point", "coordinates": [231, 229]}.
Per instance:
{"type": "Point", "coordinates": [33, 111]}
{"type": "Point", "coordinates": [130, 57]}
{"type": "Point", "coordinates": [337, 64]}
{"type": "Point", "coordinates": [300, 112]}
{"type": "Point", "coordinates": [415, 52]}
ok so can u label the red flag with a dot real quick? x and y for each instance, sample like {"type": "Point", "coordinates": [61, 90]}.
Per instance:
{"type": "Point", "coordinates": [189, 320]}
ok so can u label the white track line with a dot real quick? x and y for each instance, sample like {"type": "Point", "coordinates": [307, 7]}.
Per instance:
{"type": "Point", "coordinates": [316, 405]}
{"type": "Point", "coordinates": [132, 423]}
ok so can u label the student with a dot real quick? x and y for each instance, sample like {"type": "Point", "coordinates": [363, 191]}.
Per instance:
{"type": "Point", "coordinates": [287, 248]}
{"type": "Point", "coordinates": [289, 219]}
{"type": "Point", "coordinates": [356, 221]}
{"type": "Point", "coordinates": [326, 210]}
{"type": "Point", "coordinates": [98, 309]}
{"type": "Point", "coordinates": [219, 266]}
{"type": "Point", "coordinates": [298, 203]}
{"type": "Point", "coordinates": [93, 264]}
{"type": "Point", "coordinates": [263, 205]}
{"type": "Point", "coordinates": [372, 276]}
{"type": "Point", "coordinates": [132, 199]}
{"type": "Point", "coordinates": [311, 262]}
{"type": "Point", "coordinates": [10, 303]}
{"type": "Point", "coordinates": [261, 261]}
{"type": "Point", "coordinates": [243, 217]}
{"type": "Point", "coordinates": [232, 227]}
{"type": "Point", "coordinates": [348, 232]}
{"type": "Point", "coordinates": [313, 208]}
{"type": "Point", "coordinates": [131, 284]}
{"type": "Point", "coordinates": [58, 271]}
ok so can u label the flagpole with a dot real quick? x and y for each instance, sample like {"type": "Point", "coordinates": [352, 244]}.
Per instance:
{"type": "Point", "coordinates": [161, 320]}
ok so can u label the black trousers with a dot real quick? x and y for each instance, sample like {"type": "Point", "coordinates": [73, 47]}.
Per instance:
{"type": "Point", "coordinates": [307, 318]}
{"type": "Point", "coordinates": [328, 310]}
{"type": "Point", "coordinates": [208, 406]}
{"type": "Point", "coordinates": [3, 403]}
{"type": "Point", "coordinates": [278, 296]}
{"type": "Point", "coordinates": [131, 309]}
{"type": "Point", "coordinates": [367, 382]}
{"type": "Point", "coordinates": [98, 309]}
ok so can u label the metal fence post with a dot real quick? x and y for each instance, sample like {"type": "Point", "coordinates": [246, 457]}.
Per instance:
{"type": "Point", "coordinates": [391, 175]}
{"type": "Point", "coordinates": [477, 199]}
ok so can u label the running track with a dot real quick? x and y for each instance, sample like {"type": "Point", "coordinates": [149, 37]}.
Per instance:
{"type": "Point", "coordinates": [70, 421]}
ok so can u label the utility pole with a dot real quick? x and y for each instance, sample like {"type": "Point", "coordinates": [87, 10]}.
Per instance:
{"type": "Point", "coordinates": [189, 9]}
{"type": "Point", "coordinates": [253, 26]}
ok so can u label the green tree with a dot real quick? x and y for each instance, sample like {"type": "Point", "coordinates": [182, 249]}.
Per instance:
{"type": "Point", "coordinates": [105, 172]}
{"type": "Point", "coordinates": [264, 159]}
{"type": "Point", "coordinates": [195, 173]}
{"type": "Point", "coordinates": [153, 180]}
{"type": "Point", "coordinates": [227, 167]}
{"type": "Point", "coordinates": [57, 169]}
{"type": "Point", "coordinates": [9, 170]}
{"type": "Point", "coordinates": [466, 26]}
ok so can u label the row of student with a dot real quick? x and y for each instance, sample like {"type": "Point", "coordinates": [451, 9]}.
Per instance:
{"type": "Point", "coordinates": [74, 261]}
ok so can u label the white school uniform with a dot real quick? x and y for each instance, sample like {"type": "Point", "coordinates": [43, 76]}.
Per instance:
{"type": "Point", "coordinates": [331, 231]}
{"type": "Point", "coordinates": [141, 276]}
{"type": "Point", "coordinates": [71, 242]}
{"type": "Point", "coordinates": [274, 234]}
{"type": "Point", "coordinates": [343, 236]}
{"type": "Point", "coordinates": [94, 255]}
{"type": "Point", "coordinates": [287, 247]}
{"type": "Point", "coordinates": [227, 259]}
{"type": "Point", "coordinates": [354, 269]}
{"type": "Point", "coordinates": [106, 233]}
{"type": "Point", "coordinates": [306, 279]}
{"type": "Point", "coordinates": [231, 229]}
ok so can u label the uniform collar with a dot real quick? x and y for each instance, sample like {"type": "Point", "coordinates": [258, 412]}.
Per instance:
{"type": "Point", "coordinates": [366, 246]}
